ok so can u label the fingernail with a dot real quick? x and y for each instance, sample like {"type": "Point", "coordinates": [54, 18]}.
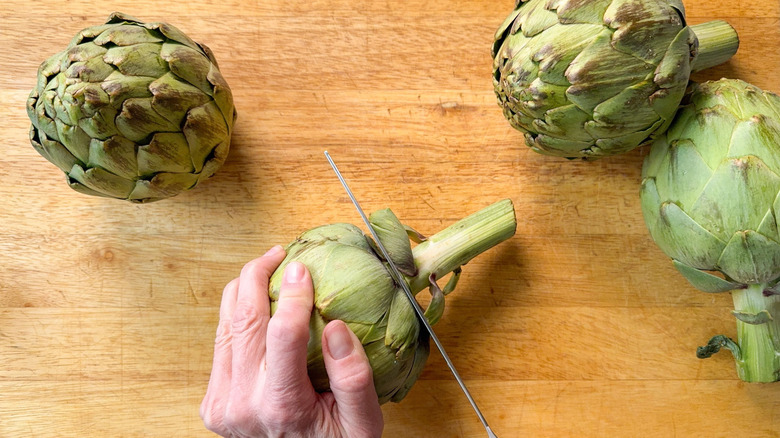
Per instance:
{"type": "Point", "coordinates": [339, 341]}
{"type": "Point", "coordinates": [294, 272]}
{"type": "Point", "coordinates": [274, 250]}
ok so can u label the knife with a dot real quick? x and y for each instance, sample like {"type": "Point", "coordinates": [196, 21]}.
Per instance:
{"type": "Point", "coordinates": [418, 310]}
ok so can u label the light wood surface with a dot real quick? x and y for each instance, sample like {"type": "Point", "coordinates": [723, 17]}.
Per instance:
{"type": "Point", "coordinates": [577, 326]}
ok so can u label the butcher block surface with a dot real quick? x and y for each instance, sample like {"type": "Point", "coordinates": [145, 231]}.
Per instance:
{"type": "Point", "coordinates": [578, 326]}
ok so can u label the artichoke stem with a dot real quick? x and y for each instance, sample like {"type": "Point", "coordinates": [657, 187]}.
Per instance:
{"type": "Point", "coordinates": [759, 343]}
{"type": "Point", "coordinates": [454, 246]}
{"type": "Point", "coordinates": [718, 42]}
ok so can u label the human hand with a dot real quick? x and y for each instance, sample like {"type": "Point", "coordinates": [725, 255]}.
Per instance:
{"type": "Point", "coordinates": [259, 386]}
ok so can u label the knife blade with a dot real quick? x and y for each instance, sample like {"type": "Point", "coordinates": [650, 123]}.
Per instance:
{"type": "Point", "coordinates": [418, 310]}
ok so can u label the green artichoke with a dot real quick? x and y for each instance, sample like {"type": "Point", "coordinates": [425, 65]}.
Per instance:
{"type": "Point", "coordinates": [132, 111]}
{"type": "Point", "coordinates": [711, 200]}
{"type": "Point", "coordinates": [352, 283]}
{"type": "Point", "coordinates": [593, 78]}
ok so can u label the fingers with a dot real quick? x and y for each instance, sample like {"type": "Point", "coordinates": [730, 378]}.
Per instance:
{"type": "Point", "coordinates": [212, 408]}
{"type": "Point", "coordinates": [288, 336]}
{"type": "Point", "coordinates": [351, 381]}
{"type": "Point", "coordinates": [249, 322]}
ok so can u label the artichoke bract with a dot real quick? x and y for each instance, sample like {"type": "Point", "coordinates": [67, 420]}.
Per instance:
{"type": "Point", "coordinates": [593, 78]}
{"type": "Point", "coordinates": [711, 200]}
{"type": "Point", "coordinates": [352, 283]}
{"type": "Point", "coordinates": [132, 110]}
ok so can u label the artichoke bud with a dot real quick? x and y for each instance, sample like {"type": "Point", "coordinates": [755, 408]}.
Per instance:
{"type": "Point", "coordinates": [711, 201]}
{"type": "Point", "coordinates": [132, 110]}
{"type": "Point", "coordinates": [394, 238]}
{"type": "Point", "coordinates": [593, 78]}
{"type": "Point", "coordinates": [353, 283]}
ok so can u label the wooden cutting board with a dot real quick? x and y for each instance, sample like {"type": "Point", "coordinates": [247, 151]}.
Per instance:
{"type": "Point", "coordinates": [578, 326]}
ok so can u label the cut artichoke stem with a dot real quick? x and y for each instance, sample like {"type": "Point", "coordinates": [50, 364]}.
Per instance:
{"type": "Point", "coordinates": [456, 245]}
{"type": "Point", "coordinates": [718, 42]}
{"type": "Point", "coordinates": [759, 343]}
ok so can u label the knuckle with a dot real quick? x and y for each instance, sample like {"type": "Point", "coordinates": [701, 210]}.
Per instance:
{"type": "Point", "coordinates": [357, 380]}
{"type": "Point", "coordinates": [287, 330]}
{"type": "Point", "coordinates": [246, 318]}
{"type": "Point", "coordinates": [212, 418]}
{"type": "Point", "coordinates": [258, 268]}
{"type": "Point", "coordinates": [279, 417]}
{"type": "Point", "coordinates": [237, 417]}
{"type": "Point", "coordinates": [224, 334]}
{"type": "Point", "coordinates": [232, 284]}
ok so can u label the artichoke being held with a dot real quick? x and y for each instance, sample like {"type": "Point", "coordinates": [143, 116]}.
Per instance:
{"type": "Point", "coordinates": [592, 78]}
{"type": "Point", "coordinates": [132, 111]}
{"type": "Point", "coordinates": [711, 200]}
{"type": "Point", "coordinates": [352, 283]}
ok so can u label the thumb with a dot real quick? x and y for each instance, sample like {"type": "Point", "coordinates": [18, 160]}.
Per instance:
{"type": "Point", "coordinates": [351, 381]}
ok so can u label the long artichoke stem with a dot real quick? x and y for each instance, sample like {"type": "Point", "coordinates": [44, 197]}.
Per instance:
{"type": "Point", "coordinates": [454, 246]}
{"type": "Point", "coordinates": [718, 42]}
{"type": "Point", "coordinates": [759, 343]}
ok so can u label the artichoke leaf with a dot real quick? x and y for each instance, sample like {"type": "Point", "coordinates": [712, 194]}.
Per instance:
{"type": "Point", "coordinates": [756, 136]}
{"type": "Point", "coordinates": [188, 64]}
{"type": "Point", "coordinates": [117, 155]}
{"type": "Point", "coordinates": [654, 158]}
{"type": "Point", "coordinates": [403, 328]}
{"type": "Point", "coordinates": [626, 142]}
{"type": "Point", "coordinates": [204, 128]}
{"type": "Point", "coordinates": [674, 68]}
{"type": "Point", "coordinates": [390, 371]}
{"type": "Point", "coordinates": [628, 111]}
{"type": "Point", "coordinates": [167, 152]}
{"type": "Point", "coordinates": [137, 59]}
{"type": "Point", "coordinates": [138, 120]}
{"type": "Point", "coordinates": [768, 226]}
{"type": "Point", "coordinates": [714, 346]}
{"type": "Point", "coordinates": [574, 11]}
{"type": "Point", "coordinates": [686, 240]}
{"type": "Point", "coordinates": [216, 160]}
{"type": "Point", "coordinates": [126, 35]}
{"type": "Point", "coordinates": [452, 282]}
{"type": "Point", "coordinates": [682, 174]}
{"type": "Point", "coordinates": [162, 185]}
{"type": "Point", "coordinates": [549, 145]}
{"type": "Point", "coordinates": [418, 363]}
{"type": "Point", "coordinates": [750, 257]}
{"type": "Point", "coordinates": [414, 235]}
{"type": "Point", "coordinates": [759, 318]}
{"type": "Point", "coordinates": [704, 281]}
{"type": "Point", "coordinates": [643, 29]}
{"type": "Point", "coordinates": [534, 18]}
{"type": "Point", "coordinates": [74, 139]}
{"type": "Point", "coordinates": [736, 197]}
{"type": "Point", "coordinates": [54, 151]}
{"type": "Point", "coordinates": [593, 75]}
{"type": "Point", "coordinates": [102, 181]}
{"type": "Point", "coordinates": [707, 128]}
{"type": "Point", "coordinates": [435, 309]}
{"type": "Point", "coordinates": [174, 97]}
{"type": "Point", "coordinates": [395, 240]}
{"type": "Point", "coordinates": [315, 363]}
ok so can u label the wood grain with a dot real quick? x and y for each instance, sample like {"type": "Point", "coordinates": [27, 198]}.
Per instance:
{"type": "Point", "coordinates": [578, 326]}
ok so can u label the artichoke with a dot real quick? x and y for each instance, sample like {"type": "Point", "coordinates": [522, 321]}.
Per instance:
{"type": "Point", "coordinates": [711, 200]}
{"type": "Point", "coordinates": [132, 111]}
{"type": "Point", "coordinates": [352, 283]}
{"type": "Point", "coordinates": [593, 78]}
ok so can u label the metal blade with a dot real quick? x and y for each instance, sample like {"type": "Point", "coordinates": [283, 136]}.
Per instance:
{"type": "Point", "coordinates": [420, 313]}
